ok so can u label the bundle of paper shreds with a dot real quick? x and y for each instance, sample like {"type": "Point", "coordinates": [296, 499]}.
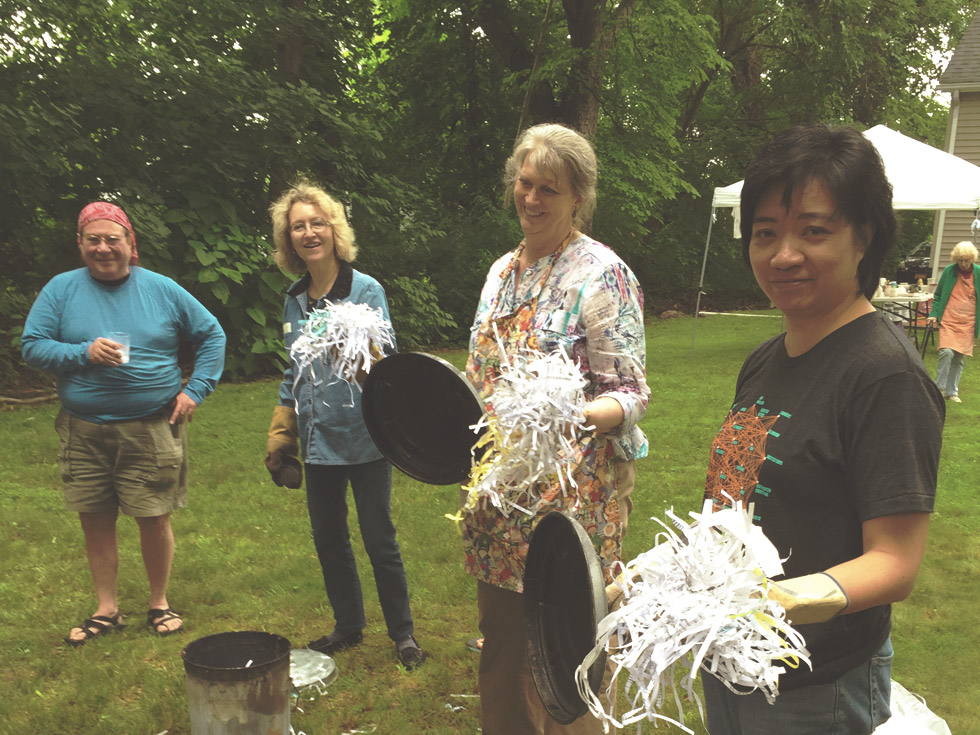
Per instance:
{"type": "Point", "coordinates": [698, 599]}
{"type": "Point", "coordinates": [341, 337]}
{"type": "Point", "coordinates": [531, 425]}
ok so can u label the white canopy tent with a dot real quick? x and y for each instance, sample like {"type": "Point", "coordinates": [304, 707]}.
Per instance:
{"type": "Point", "coordinates": [922, 177]}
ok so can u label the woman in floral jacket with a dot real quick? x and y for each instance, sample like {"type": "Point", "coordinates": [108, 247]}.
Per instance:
{"type": "Point", "coordinates": [560, 289]}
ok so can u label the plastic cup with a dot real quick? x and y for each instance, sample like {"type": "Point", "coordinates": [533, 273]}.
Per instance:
{"type": "Point", "coordinates": [123, 339]}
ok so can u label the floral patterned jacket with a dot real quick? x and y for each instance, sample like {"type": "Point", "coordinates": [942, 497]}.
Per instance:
{"type": "Point", "coordinates": [592, 306]}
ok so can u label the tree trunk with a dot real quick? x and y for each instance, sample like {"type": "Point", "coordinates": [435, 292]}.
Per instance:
{"type": "Point", "coordinates": [589, 36]}
{"type": "Point", "coordinates": [289, 69]}
{"type": "Point", "coordinates": [474, 115]}
{"type": "Point", "coordinates": [516, 55]}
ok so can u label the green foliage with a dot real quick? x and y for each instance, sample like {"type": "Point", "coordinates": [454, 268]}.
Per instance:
{"type": "Point", "coordinates": [234, 280]}
{"type": "Point", "coordinates": [415, 313]}
{"type": "Point", "coordinates": [194, 118]}
{"type": "Point", "coordinates": [453, 262]}
{"type": "Point", "coordinates": [14, 306]}
{"type": "Point", "coordinates": [190, 122]}
{"type": "Point", "coordinates": [846, 61]}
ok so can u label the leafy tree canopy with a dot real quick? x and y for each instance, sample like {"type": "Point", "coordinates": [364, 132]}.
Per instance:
{"type": "Point", "coordinates": [194, 118]}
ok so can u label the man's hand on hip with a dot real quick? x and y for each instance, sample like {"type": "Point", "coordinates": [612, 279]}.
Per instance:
{"type": "Point", "coordinates": [184, 407]}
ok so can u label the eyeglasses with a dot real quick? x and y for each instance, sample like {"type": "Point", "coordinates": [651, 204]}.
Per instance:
{"type": "Point", "coordinates": [317, 225]}
{"type": "Point", "coordinates": [93, 240]}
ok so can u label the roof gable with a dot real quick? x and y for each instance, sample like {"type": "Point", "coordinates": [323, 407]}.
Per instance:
{"type": "Point", "coordinates": [963, 70]}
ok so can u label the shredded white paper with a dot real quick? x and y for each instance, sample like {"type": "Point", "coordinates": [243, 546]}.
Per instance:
{"type": "Point", "coordinates": [531, 424]}
{"type": "Point", "coordinates": [698, 599]}
{"type": "Point", "coordinates": [341, 336]}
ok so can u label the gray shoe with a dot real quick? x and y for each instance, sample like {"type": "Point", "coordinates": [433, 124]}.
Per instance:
{"type": "Point", "coordinates": [409, 654]}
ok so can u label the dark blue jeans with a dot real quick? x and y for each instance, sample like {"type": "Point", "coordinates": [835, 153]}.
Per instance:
{"type": "Point", "coordinates": [326, 498]}
{"type": "Point", "coordinates": [854, 704]}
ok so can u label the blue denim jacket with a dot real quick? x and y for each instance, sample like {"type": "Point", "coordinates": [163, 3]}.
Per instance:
{"type": "Point", "coordinates": [331, 426]}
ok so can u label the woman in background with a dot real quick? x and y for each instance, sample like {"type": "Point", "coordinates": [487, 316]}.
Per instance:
{"type": "Point", "coordinates": [559, 289]}
{"type": "Point", "coordinates": [956, 308]}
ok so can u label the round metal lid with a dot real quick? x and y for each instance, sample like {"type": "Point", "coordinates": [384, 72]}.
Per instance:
{"type": "Point", "coordinates": [564, 600]}
{"type": "Point", "coordinates": [311, 671]}
{"type": "Point", "coordinates": [418, 409]}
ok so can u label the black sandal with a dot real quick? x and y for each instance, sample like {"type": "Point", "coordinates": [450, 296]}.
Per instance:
{"type": "Point", "coordinates": [157, 616]}
{"type": "Point", "coordinates": [95, 626]}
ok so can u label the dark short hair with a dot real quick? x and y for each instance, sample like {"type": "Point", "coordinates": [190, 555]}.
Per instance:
{"type": "Point", "coordinates": [848, 165]}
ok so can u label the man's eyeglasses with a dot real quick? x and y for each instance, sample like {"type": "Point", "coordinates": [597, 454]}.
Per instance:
{"type": "Point", "coordinates": [317, 225]}
{"type": "Point", "coordinates": [93, 240]}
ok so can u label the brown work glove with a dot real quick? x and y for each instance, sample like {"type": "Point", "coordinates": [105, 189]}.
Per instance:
{"type": "Point", "coordinates": [814, 598]}
{"type": "Point", "coordinates": [376, 355]}
{"type": "Point", "coordinates": [282, 448]}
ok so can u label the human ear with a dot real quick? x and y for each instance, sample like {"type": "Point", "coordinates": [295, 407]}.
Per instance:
{"type": "Point", "coordinates": [866, 233]}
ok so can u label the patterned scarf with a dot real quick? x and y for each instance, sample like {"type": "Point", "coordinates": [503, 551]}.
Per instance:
{"type": "Point", "coordinates": [113, 213]}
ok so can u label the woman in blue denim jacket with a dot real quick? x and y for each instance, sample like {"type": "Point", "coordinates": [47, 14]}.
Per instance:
{"type": "Point", "coordinates": [322, 414]}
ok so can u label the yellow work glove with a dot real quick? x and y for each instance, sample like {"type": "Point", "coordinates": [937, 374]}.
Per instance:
{"type": "Point", "coordinates": [614, 591]}
{"type": "Point", "coordinates": [282, 448]}
{"type": "Point", "coordinates": [614, 595]}
{"type": "Point", "coordinates": [814, 598]}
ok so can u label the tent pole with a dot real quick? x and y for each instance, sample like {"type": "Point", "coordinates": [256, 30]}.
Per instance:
{"type": "Point", "coordinates": [704, 264]}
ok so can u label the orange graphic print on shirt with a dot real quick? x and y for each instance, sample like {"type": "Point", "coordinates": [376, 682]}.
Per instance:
{"type": "Point", "coordinates": [738, 453]}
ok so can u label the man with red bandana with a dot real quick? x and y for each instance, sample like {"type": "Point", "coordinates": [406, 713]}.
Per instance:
{"type": "Point", "coordinates": [123, 422]}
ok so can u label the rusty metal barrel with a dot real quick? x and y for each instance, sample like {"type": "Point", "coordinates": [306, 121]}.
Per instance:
{"type": "Point", "coordinates": [238, 684]}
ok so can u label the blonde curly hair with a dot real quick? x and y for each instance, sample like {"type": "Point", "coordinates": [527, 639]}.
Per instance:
{"type": "Point", "coordinates": [308, 193]}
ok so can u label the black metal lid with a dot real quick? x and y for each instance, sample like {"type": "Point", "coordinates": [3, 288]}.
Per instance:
{"type": "Point", "coordinates": [564, 600]}
{"type": "Point", "coordinates": [418, 409]}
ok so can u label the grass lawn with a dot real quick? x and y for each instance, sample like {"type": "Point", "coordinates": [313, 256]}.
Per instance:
{"type": "Point", "coordinates": [245, 561]}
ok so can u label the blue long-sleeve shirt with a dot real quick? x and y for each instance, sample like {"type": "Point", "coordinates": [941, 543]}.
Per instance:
{"type": "Point", "coordinates": [73, 310]}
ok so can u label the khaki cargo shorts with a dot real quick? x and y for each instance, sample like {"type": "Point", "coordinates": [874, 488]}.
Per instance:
{"type": "Point", "coordinates": [138, 467]}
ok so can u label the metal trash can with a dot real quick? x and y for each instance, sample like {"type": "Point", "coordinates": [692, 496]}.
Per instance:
{"type": "Point", "coordinates": [238, 684]}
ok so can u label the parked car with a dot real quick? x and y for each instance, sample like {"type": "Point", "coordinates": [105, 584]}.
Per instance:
{"type": "Point", "coordinates": [917, 264]}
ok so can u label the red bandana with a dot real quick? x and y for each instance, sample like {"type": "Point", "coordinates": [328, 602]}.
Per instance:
{"type": "Point", "coordinates": [105, 210]}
